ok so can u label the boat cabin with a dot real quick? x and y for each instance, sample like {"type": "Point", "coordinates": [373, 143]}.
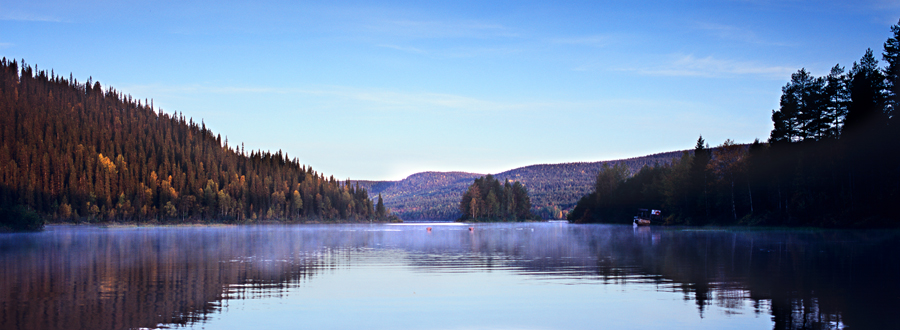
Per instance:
{"type": "Point", "coordinates": [646, 216]}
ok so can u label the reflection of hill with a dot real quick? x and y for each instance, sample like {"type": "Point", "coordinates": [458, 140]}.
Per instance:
{"type": "Point", "coordinates": [136, 278]}
{"type": "Point", "coordinates": [435, 195]}
{"type": "Point", "coordinates": [88, 278]}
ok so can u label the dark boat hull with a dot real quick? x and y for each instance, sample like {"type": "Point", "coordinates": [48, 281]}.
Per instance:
{"type": "Point", "coordinates": [641, 222]}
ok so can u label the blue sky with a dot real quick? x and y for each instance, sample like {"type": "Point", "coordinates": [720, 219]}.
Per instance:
{"type": "Point", "coordinates": [382, 90]}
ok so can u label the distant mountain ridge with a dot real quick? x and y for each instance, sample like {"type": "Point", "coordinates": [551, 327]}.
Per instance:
{"type": "Point", "coordinates": [554, 188]}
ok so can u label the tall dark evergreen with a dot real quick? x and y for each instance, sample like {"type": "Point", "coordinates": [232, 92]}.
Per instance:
{"type": "Point", "coordinates": [698, 178]}
{"type": "Point", "coordinates": [380, 210]}
{"type": "Point", "coordinates": [837, 96]}
{"type": "Point", "coordinates": [866, 110]}
{"type": "Point", "coordinates": [803, 109]}
{"type": "Point", "coordinates": [84, 152]}
{"type": "Point", "coordinates": [891, 56]}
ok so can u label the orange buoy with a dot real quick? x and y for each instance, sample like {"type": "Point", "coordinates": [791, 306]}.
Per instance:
{"type": "Point", "coordinates": [471, 228]}
{"type": "Point", "coordinates": [428, 229]}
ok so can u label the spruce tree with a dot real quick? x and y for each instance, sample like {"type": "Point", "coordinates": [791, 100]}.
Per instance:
{"type": "Point", "coordinates": [867, 85]}
{"type": "Point", "coordinates": [699, 179]}
{"type": "Point", "coordinates": [380, 211]}
{"type": "Point", "coordinates": [891, 55]}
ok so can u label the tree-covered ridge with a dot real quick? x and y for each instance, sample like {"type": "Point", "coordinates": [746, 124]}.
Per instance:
{"type": "Point", "coordinates": [428, 195]}
{"type": "Point", "coordinates": [487, 199]}
{"type": "Point", "coordinates": [684, 188]}
{"type": "Point", "coordinates": [833, 159]}
{"type": "Point", "coordinates": [554, 188]}
{"type": "Point", "coordinates": [77, 151]}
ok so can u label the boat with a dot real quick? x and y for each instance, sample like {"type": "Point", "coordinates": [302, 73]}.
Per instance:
{"type": "Point", "coordinates": [644, 217]}
{"type": "Point", "coordinates": [641, 222]}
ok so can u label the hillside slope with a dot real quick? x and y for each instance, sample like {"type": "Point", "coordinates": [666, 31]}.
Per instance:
{"type": "Point", "coordinates": [554, 188]}
{"type": "Point", "coordinates": [75, 151]}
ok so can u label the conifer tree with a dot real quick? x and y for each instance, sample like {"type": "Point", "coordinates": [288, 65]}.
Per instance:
{"type": "Point", "coordinates": [699, 180]}
{"type": "Point", "coordinates": [803, 108]}
{"type": "Point", "coordinates": [837, 96]}
{"type": "Point", "coordinates": [487, 199]}
{"type": "Point", "coordinates": [380, 211]}
{"type": "Point", "coordinates": [866, 109]}
{"type": "Point", "coordinates": [71, 151]}
{"type": "Point", "coordinates": [891, 55]}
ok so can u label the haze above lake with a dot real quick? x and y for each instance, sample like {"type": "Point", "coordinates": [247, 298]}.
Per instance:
{"type": "Point", "coordinates": [511, 276]}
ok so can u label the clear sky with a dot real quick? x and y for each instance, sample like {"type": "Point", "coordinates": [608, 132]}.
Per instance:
{"type": "Point", "coordinates": [382, 90]}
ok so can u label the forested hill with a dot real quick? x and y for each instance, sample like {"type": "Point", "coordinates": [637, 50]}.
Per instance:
{"type": "Point", "coordinates": [554, 188]}
{"type": "Point", "coordinates": [832, 160]}
{"type": "Point", "coordinates": [79, 151]}
{"type": "Point", "coordinates": [426, 195]}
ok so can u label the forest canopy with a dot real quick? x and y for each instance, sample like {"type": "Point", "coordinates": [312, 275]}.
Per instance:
{"type": "Point", "coordinates": [488, 200]}
{"type": "Point", "coordinates": [72, 151]}
{"type": "Point", "coordinates": [832, 160]}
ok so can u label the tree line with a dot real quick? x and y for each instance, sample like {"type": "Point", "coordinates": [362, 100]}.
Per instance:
{"type": "Point", "coordinates": [556, 188]}
{"type": "Point", "coordinates": [72, 151]}
{"type": "Point", "coordinates": [553, 189]}
{"type": "Point", "coordinates": [488, 200]}
{"type": "Point", "coordinates": [832, 160]}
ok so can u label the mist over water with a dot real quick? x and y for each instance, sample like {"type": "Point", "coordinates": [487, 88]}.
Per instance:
{"type": "Point", "coordinates": [519, 276]}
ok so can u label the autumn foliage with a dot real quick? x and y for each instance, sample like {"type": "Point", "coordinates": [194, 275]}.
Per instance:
{"type": "Point", "coordinates": [81, 152]}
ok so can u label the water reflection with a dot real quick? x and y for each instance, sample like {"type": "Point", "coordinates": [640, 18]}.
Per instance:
{"type": "Point", "coordinates": [119, 278]}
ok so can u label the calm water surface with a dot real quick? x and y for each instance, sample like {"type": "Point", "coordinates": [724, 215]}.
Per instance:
{"type": "Point", "coordinates": [499, 276]}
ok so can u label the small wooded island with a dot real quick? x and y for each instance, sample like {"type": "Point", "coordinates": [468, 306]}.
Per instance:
{"type": "Point", "coordinates": [488, 200]}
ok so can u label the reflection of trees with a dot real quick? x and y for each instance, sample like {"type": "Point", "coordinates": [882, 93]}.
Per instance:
{"type": "Point", "coordinates": [122, 279]}
{"type": "Point", "coordinates": [808, 280]}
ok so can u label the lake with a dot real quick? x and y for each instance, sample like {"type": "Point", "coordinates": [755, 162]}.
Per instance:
{"type": "Point", "coordinates": [496, 276]}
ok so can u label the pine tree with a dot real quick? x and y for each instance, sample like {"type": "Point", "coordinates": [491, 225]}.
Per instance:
{"type": "Point", "coordinates": [837, 96]}
{"type": "Point", "coordinates": [802, 112]}
{"type": "Point", "coordinates": [891, 55]}
{"type": "Point", "coordinates": [867, 85]}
